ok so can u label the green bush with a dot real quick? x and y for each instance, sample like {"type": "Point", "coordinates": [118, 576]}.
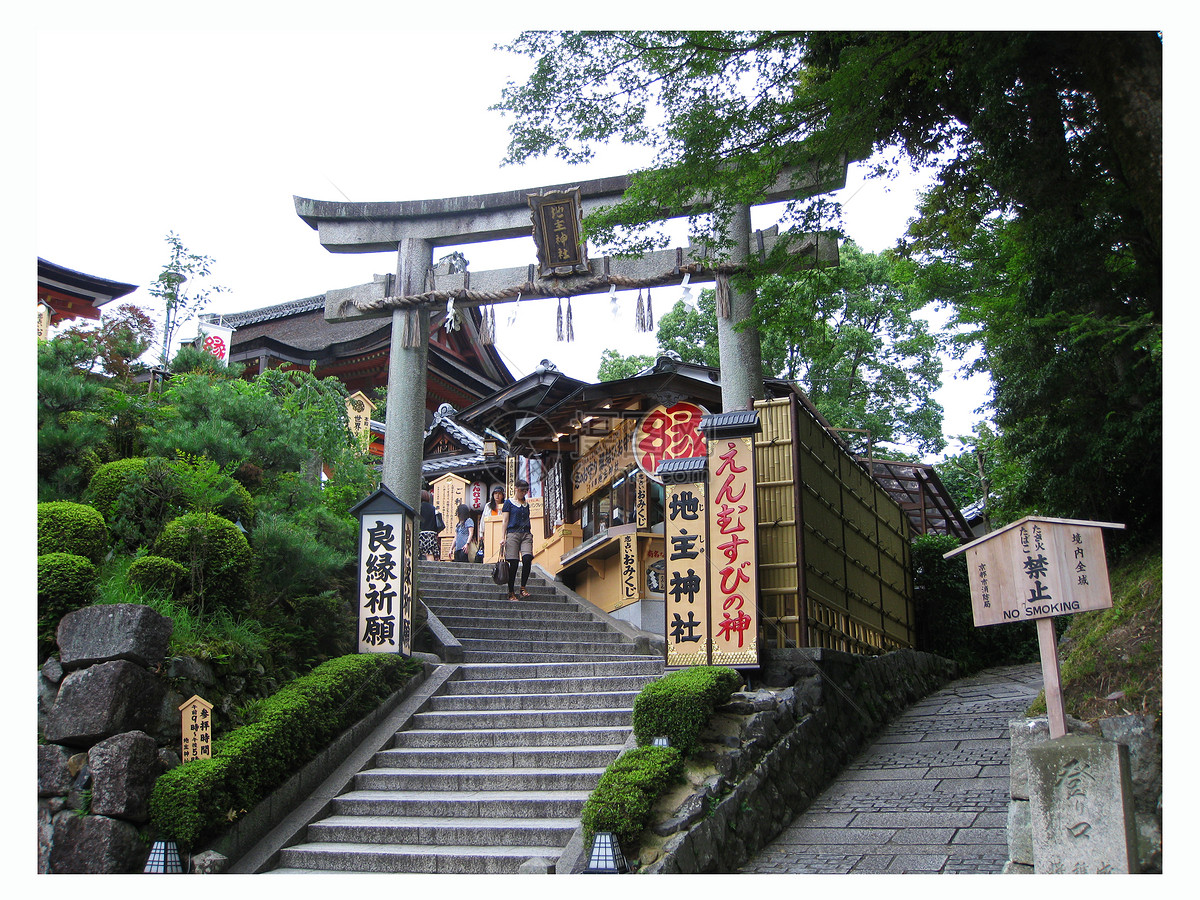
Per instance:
{"type": "Point", "coordinates": [158, 573]}
{"type": "Point", "coordinates": [628, 789]}
{"type": "Point", "coordinates": [215, 553]}
{"type": "Point", "coordinates": [66, 582]}
{"type": "Point", "coordinates": [945, 624]}
{"type": "Point", "coordinates": [192, 802]}
{"type": "Point", "coordinates": [65, 527]}
{"type": "Point", "coordinates": [290, 560]}
{"type": "Point", "coordinates": [680, 704]}
{"type": "Point", "coordinates": [110, 479]}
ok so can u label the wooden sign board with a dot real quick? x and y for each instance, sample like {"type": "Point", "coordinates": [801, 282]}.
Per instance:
{"type": "Point", "coordinates": [602, 463]}
{"type": "Point", "coordinates": [558, 232]}
{"type": "Point", "coordinates": [1037, 568]}
{"type": "Point", "coordinates": [686, 515]}
{"type": "Point", "coordinates": [733, 547]}
{"type": "Point", "coordinates": [1033, 570]}
{"type": "Point", "coordinates": [387, 553]}
{"type": "Point", "coordinates": [196, 725]}
{"type": "Point", "coordinates": [669, 432]}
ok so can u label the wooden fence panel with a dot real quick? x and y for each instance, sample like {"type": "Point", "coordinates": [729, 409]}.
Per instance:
{"type": "Point", "coordinates": [834, 552]}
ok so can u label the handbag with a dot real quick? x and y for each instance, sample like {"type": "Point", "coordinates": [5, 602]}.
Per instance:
{"type": "Point", "coordinates": [500, 571]}
{"type": "Point", "coordinates": [472, 549]}
{"type": "Point", "coordinates": [439, 522]}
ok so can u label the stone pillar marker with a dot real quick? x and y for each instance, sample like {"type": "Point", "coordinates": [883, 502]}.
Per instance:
{"type": "Point", "coordinates": [1081, 807]}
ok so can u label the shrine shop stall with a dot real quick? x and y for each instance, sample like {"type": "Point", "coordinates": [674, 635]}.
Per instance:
{"type": "Point", "coordinates": [822, 555]}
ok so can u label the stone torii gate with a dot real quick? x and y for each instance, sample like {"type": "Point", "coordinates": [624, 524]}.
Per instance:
{"type": "Point", "coordinates": [415, 292]}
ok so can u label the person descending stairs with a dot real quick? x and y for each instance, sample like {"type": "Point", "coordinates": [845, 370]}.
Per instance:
{"type": "Point", "coordinates": [495, 768]}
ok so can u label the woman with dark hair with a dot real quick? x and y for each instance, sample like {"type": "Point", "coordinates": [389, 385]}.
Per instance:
{"type": "Point", "coordinates": [518, 539]}
{"type": "Point", "coordinates": [464, 534]}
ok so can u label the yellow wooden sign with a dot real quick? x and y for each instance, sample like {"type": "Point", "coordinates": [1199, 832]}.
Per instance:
{"type": "Point", "coordinates": [687, 575]}
{"type": "Point", "coordinates": [733, 542]}
{"type": "Point", "coordinates": [1037, 568]}
{"type": "Point", "coordinates": [358, 414]}
{"type": "Point", "coordinates": [608, 458]}
{"type": "Point", "coordinates": [196, 725]}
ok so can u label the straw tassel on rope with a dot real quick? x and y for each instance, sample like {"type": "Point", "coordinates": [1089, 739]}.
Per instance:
{"type": "Point", "coordinates": [639, 321]}
{"type": "Point", "coordinates": [560, 321]}
{"type": "Point", "coordinates": [570, 326]}
{"type": "Point", "coordinates": [649, 312]}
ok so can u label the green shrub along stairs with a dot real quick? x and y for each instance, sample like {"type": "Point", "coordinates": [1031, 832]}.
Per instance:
{"type": "Point", "coordinates": [494, 769]}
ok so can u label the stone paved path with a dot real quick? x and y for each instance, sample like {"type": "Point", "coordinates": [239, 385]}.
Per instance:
{"type": "Point", "coordinates": [929, 795]}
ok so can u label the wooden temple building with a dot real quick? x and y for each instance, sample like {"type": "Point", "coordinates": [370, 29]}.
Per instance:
{"type": "Point", "coordinates": [64, 294]}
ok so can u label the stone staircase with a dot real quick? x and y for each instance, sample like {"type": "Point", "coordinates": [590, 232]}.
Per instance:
{"type": "Point", "coordinates": [494, 769]}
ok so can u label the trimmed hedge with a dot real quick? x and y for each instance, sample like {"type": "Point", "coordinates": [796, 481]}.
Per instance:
{"type": "Point", "coordinates": [627, 792]}
{"type": "Point", "coordinates": [680, 704]}
{"type": "Point", "coordinates": [112, 478]}
{"type": "Point", "coordinates": [65, 527]}
{"type": "Point", "coordinates": [66, 582]}
{"type": "Point", "coordinates": [157, 573]}
{"type": "Point", "coordinates": [192, 802]}
{"type": "Point", "coordinates": [215, 553]}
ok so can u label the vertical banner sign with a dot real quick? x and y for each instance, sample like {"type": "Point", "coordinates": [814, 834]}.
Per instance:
{"type": "Point", "coordinates": [641, 487]}
{"type": "Point", "coordinates": [477, 495]}
{"type": "Point", "coordinates": [732, 540]}
{"type": "Point", "coordinates": [630, 580]}
{"type": "Point", "coordinates": [557, 232]}
{"type": "Point", "coordinates": [196, 725]}
{"type": "Point", "coordinates": [386, 554]}
{"type": "Point", "coordinates": [215, 339]}
{"type": "Point", "coordinates": [686, 517]}
{"type": "Point", "coordinates": [732, 537]}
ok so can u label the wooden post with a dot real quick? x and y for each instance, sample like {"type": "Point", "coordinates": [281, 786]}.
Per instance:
{"type": "Point", "coordinates": [1051, 680]}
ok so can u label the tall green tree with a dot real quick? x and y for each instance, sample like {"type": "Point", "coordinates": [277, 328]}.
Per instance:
{"type": "Point", "coordinates": [614, 366]}
{"type": "Point", "coordinates": [1051, 143]}
{"type": "Point", "coordinates": [183, 289]}
{"type": "Point", "coordinates": [851, 337]}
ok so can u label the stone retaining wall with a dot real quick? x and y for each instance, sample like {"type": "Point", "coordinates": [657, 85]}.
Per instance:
{"type": "Point", "coordinates": [777, 746]}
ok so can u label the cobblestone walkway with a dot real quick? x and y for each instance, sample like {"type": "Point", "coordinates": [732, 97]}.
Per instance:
{"type": "Point", "coordinates": [929, 795]}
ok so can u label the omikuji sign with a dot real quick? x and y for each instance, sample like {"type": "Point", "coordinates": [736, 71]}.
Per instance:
{"type": "Point", "coordinates": [386, 563]}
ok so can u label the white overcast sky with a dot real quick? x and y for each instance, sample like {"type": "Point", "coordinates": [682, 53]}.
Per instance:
{"type": "Point", "coordinates": [192, 120]}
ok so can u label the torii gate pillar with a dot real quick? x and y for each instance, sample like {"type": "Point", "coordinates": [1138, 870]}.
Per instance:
{"type": "Point", "coordinates": [405, 420]}
{"type": "Point", "coordinates": [740, 351]}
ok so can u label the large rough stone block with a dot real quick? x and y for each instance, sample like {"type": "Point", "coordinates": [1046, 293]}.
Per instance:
{"type": "Point", "coordinates": [126, 631]}
{"type": "Point", "coordinates": [100, 701]}
{"type": "Point", "coordinates": [1024, 734]}
{"type": "Point", "coordinates": [1081, 807]}
{"type": "Point", "coordinates": [54, 779]}
{"type": "Point", "coordinates": [124, 768]}
{"type": "Point", "coordinates": [95, 845]}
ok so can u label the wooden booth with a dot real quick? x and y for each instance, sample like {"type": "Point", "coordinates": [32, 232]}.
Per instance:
{"type": "Point", "coordinates": [831, 560]}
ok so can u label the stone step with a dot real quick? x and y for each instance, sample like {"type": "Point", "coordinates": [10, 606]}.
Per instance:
{"type": "Point", "coordinates": [522, 718]}
{"type": "Point", "coordinates": [513, 737]}
{"type": "Point", "coordinates": [549, 758]}
{"type": "Point", "coordinates": [482, 779]}
{"type": "Point", "coordinates": [550, 648]}
{"type": "Point", "coordinates": [476, 831]}
{"type": "Point", "coordinates": [511, 613]}
{"type": "Point", "coordinates": [495, 604]}
{"type": "Point", "coordinates": [543, 633]}
{"type": "Point", "coordinates": [500, 803]}
{"type": "Point", "coordinates": [507, 671]}
{"type": "Point", "coordinates": [547, 685]}
{"type": "Point", "coordinates": [417, 858]}
{"type": "Point", "coordinates": [501, 656]}
{"type": "Point", "coordinates": [555, 701]}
